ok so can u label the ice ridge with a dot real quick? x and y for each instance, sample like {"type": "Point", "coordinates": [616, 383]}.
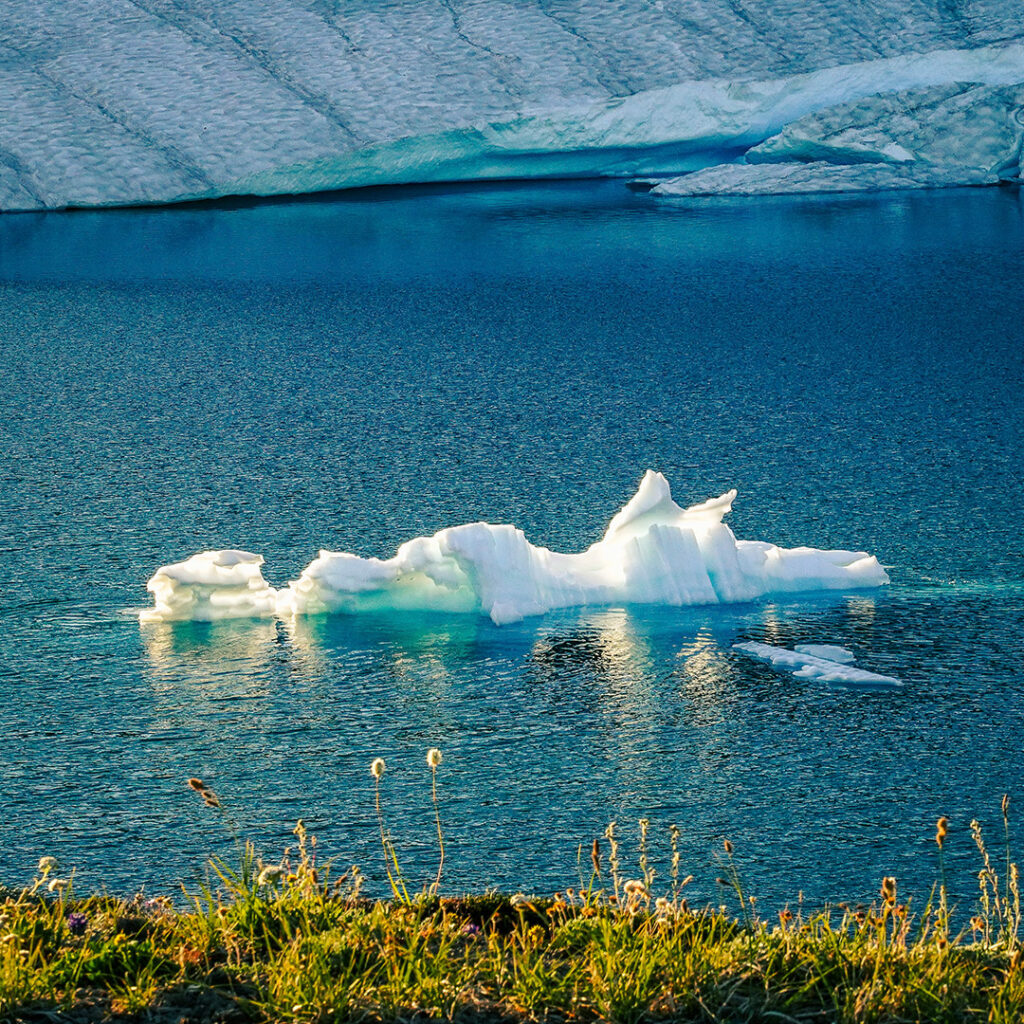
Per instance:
{"type": "Point", "coordinates": [653, 552]}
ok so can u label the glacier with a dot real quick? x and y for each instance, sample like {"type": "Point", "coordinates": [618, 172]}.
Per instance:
{"type": "Point", "coordinates": [653, 552]}
{"type": "Point", "coordinates": [823, 663]}
{"type": "Point", "coordinates": [125, 102]}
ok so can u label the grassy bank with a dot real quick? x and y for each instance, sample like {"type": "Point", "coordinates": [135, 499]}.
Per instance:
{"type": "Point", "coordinates": [299, 952]}
{"type": "Point", "coordinates": [286, 941]}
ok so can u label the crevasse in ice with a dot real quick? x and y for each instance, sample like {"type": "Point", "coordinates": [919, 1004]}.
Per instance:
{"type": "Point", "coordinates": [653, 552]}
{"type": "Point", "coordinates": [144, 101]}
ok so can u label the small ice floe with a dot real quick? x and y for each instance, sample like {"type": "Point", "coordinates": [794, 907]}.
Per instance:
{"type": "Point", "coordinates": [825, 663]}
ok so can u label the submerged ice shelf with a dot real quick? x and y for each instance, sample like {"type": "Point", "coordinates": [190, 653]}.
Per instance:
{"type": "Point", "coordinates": [653, 552]}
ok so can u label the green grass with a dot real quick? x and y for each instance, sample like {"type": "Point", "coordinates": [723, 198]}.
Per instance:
{"type": "Point", "coordinates": [287, 942]}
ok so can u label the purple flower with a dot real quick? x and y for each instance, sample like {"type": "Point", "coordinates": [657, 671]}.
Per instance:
{"type": "Point", "coordinates": [471, 929]}
{"type": "Point", "coordinates": [77, 923]}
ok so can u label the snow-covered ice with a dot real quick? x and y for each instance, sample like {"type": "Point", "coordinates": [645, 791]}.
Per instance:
{"type": "Point", "coordinates": [824, 663]}
{"type": "Point", "coordinates": [142, 101]}
{"type": "Point", "coordinates": [653, 552]}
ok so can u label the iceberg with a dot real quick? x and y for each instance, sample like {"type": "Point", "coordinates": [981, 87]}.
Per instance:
{"type": "Point", "coordinates": [115, 103]}
{"type": "Point", "coordinates": [823, 663]}
{"type": "Point", "coordinates": [211, 585]}
{"type": "Point", "coordinates": [653, 552]}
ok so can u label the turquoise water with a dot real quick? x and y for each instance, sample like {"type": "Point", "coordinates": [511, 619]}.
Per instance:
{"type": "Point", "coordinates": [350, 372]}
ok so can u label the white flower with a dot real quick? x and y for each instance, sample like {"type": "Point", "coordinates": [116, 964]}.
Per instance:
{"type": "Point", "coordinates": [662, 905]}
{"type": "Point", "coordinates": [518, 900]}
{"type": "Point", "coordinates": [377, 768]}
{"type": "Point", "coordinates": [56, 884]}
{"type": "Point", "coordinates": [47, 864]}
{"type": "Point", "coordinates": [433, 757]}
{"type": "Point", "coordinates": [634, 889]}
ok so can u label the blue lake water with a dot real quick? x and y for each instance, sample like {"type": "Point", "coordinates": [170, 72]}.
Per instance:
{"type": "Point", "coordinates": [347, 373]}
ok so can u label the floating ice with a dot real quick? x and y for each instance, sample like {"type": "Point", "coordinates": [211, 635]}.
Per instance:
{"type": "Point", "coordinates": [211, 585]}
{"type": "Point", "coordinates": [654, 552]}
{"type": "Point", "coordinates": [822, 662]}
{"type": "Point", "coordinates": [830, 652]}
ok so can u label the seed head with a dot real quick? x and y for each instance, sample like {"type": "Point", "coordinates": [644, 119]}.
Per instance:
{"type": "Point", "coordinates": [888, 889]}
{"type": "Point", "coordinates": [197, 784]}
{"type": "Point", "coordinates": [433, 757]}
{"type": "Point", "coordinates": [377, 768]}
{"type": "Point", "coordinates": [941, 828]}
{"type": "Point", "coordinates": [56, 884]}
{"type": "Point", "coordinates": [728, 847]}
{"type": "Point", "coordinates": [595, 856]}
{"type": "Point", "coordinates": [47, 864]}
{"type": "Point", "coordinates": [1006, 805]}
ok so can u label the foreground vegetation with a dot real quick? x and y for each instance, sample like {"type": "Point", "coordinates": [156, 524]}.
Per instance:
{"type": "Point", "coordinates": [287, 942]}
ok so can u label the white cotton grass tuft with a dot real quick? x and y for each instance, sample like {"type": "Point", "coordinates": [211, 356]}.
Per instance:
{"type": "Point", "coordinates": [433, 757]}
{"type": "Point", "coordinates": [270, 874]}
{"type": "Point", "coordinates": [377, 767]}
{"type": "Point", "coordinates": [47, 864]}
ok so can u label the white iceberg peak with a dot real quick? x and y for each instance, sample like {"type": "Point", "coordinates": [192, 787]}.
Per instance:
{"type": "Point", "coordinates": [653, 504]}
{"type": "Point", "coordinates": [654, 552]}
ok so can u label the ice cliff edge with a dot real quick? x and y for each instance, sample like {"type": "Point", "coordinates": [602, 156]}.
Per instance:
{"type": "Point", "coordinates": [151, 101]}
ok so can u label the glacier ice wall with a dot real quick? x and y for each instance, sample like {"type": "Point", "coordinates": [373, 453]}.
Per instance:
{"type": "Point", "coordinates": [947, 134]}
{"type": "Point", "coordinates": [653, 552]}
{"type": "Point", "coordinates": [143, 101]}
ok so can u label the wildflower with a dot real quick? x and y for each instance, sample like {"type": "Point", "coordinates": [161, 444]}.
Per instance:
{"type": "Point", "coordinates": [785, 916]}
{"type": "Point", "coordinates": [377, 768]}
{"type": "Point", "coordinates": [77, 923]}
{"type": "Point", "coordinates": [433, 757]}
{"type": "Point", "coordinates": [662, 906]}
{"type": "Point", "coordinates": [518, 900]}
{"type": "Point", "coordinates": [270, 874]}
{"type": "Point", "coordinates": [941, 828]}
{"type": "Point", "coordinates": [471, 929]}
{"type": "Point", "coordinates": [56, 884]}
{"type": "Point", "coordinates": [47, 864]}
